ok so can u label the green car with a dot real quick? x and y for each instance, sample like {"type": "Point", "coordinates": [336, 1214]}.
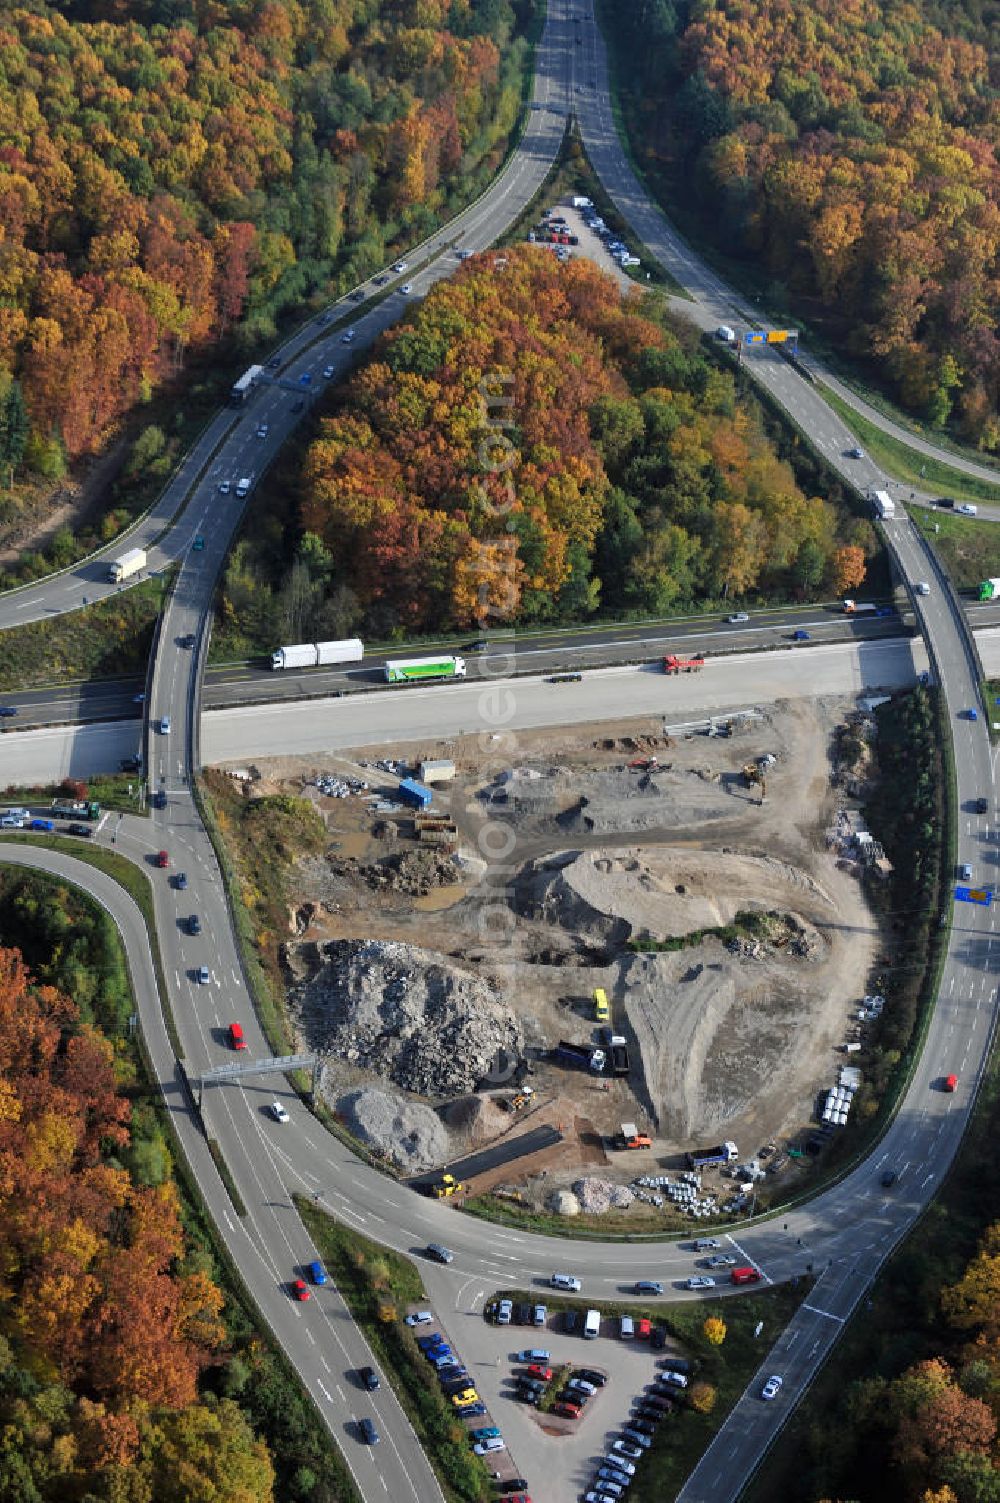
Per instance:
{"type": "Point", "coordinates": [485, 1432]}
{"type": "Point", "coordinates": [199, 544]}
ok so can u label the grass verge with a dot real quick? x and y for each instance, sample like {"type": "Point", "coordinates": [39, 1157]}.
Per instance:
{"type": "Point", "coordinates": [968, 548]}
{"type": "Point", "coordinates": [108, 639]}
{"type": "Point", "coordinates": [376, 1285]}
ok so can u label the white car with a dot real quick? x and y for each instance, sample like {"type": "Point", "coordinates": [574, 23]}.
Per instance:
{"type": "Point", "coordinates": [505, 1310]}
{"type": "Point", "coordinates": [204, 975]}
{"type": "Point", "coordinates": [278, 1112]}
{"type": "Point", "coordinates": [700, 1281]}
{"type": "Point", "coordinates": [720, 1260]}
{"type": "Point", "coordinates": [737, 617]}
{"type": "Point", "coordinates": [969, 511]}
{"type": "Point", "coordinates": [772, 1387]}
{"type": "Point", "coordinates": [12, 822]}
{"type": "Point", "coordinates": [327, 372]}
{"type": "Point", "coordinates": [486, 1447]}
{"type": "Point", "coordinates": [399, 266]}
{"type": "Point", "coordinates": [263, 429]}
{"type": "Point", "coordinates": [419, 1318]}
{"type": "Point", "coordinates": [619, 1463]}
{"type": "Point", "coordinates": [627, 1448]}
{"type": "Point", "coordinates": [224, 488]}
{"type": "Point", "coordinates": [347, 337]}
{"type": "Point", "coordinates": [407, 288]}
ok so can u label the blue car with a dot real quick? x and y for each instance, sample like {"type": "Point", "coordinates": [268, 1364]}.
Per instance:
{"type": "Point", "coordinates": [316, 1272]}
{"type": "Point", "coordinates": [800, 636]}
{"type": "Point", "coordinates": [306, 378]}
{"type": "Point", "coordinates": [42, 824]}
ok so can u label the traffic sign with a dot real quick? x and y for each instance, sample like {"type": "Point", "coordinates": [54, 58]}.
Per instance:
{"type": "Point", "coordinates": [754, 336]}
{"type": "Point", "coordinates": [981, 895]}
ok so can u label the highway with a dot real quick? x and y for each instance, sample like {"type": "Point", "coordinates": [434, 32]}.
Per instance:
{"type": "Point", "coordinates": [842, 1236]}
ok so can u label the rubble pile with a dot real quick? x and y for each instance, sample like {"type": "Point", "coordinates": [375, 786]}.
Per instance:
{"type": "Point", "coordinates": [401, 1012]}
{"type": "Point", "coordinates": [598, 1196]}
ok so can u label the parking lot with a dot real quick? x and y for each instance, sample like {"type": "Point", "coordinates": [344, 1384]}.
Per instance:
{"type": "Point", "coordinates": [557, 1456]}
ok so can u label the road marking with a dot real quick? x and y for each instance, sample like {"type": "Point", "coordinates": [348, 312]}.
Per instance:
{"type": "Point", "coordinates": [815, 1310]}
{"type": "Point", "coordinates": [323, 1390]}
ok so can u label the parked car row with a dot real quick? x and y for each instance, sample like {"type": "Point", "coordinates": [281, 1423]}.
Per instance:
{"type": "Point", "coordinates": [617, 1467]}
{"type": "Point", "coordinates": [459, 1389]}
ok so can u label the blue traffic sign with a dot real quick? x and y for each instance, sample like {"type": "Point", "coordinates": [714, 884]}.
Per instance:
{"type": "Point", "coordinates": [752, 337]}
{"type": "Point", "coordinates": [981, 895]}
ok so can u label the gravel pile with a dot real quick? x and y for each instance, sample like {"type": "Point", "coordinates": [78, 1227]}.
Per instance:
{"type": "Point", "coordinates": [597, 1196]}
{"type": "Point", "coordinates": [402, 1013]}
{"type": "Point", "coordinates": [409, 1134]}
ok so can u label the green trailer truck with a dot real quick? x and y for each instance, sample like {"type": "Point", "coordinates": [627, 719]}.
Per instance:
{"type": "Point", "coordinates": [405, 670]}
{"type": "Point", "coordinates": [990, 589]}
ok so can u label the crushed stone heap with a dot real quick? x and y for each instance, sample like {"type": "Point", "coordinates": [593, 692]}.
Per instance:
{"type": "Point", "coordinates": [404, 1014]}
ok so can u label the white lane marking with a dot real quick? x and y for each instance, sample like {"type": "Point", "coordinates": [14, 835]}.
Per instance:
{"type": "Point", "coordinates": [814, 1310]}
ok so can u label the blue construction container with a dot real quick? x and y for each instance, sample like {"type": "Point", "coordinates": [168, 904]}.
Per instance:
{"type": "Point", "coordinates": [417, 795]}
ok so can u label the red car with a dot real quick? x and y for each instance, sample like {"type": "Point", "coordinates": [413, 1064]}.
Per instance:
{"type": "Point", "coordinates": [569, 1411]}
{"type": "Point", "coordinates": [950, 1082]}
{"type": "Point", "coordinates": [236, 1039]}
{"type": "Point", "coordinates": [301, 1289]}
{"type": "Point", "coordinates": [162, 859]}
{"type": "Point", "coordinates": [538, 1371]}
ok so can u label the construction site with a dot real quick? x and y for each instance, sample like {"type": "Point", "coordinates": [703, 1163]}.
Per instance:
{"type": "Point", "coordinates": [671, 953]}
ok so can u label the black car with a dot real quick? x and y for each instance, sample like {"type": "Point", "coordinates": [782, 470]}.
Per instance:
{"type": "Point", "coordinates": [369, 1434]}
{"type": "Point", "coordinates": [658, 1338]}
{"type": "Point", "coordinates": [194, 924]}
{"type": "Point", "coordinates": [274, 362]}
{"type": "Point", "coordinates": [181, 881]}
{"type": "Point", "coordinates": [647, 1413]}
{"type": "Point", "coordinates": [159, 799]}
{"type": "Point", "coordinates": [130, 764]}
{"type": "Point", "coordinates": [85, 830]}
{"type": "Point", "coordinates": [571, 1321]}
{"type": "Point", "coordinates": [358, 297]}
{"type": "Point", "coordinates": [945, 501]}
{"type": "Point", "coordinates": [513, 1485]}
{"type": "Point", "coordinates": [523, 1315]}
{"type": "Point", "coordinates": [188, 640]}
{"type": "Point", "coordinates": [369, 1377]}
{"type": "Point", "coordinates": [380, 281]}
{"type": "Point", "coordinates": [298, 406]}
{"type": "Point", "coordinates": [982, 805]}
{"type": "Point", "coordinates": [889, 1177]}
{"type": "Point", "coordinates": [591, 1375]}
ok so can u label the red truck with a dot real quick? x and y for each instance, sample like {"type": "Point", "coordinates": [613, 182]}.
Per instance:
{"type": "Point", "coordinates": [745, 1275]}
{"type": "Point", "coordinates": [673, 664]}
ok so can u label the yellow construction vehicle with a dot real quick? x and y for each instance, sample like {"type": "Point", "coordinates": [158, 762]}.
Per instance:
{"type": "Point", "coordinates": [446, 1185]}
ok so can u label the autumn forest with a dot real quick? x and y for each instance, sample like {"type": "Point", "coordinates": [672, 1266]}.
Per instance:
{"type": "Point", "coordinates": [846, 151]}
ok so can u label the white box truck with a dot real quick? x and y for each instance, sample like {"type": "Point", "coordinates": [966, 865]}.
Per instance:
{"type": "Point", "coordinates": [130, 563]}
{"type": "Point", "coordinates": [243, 486]}
{"type": "Point", "coordinates": [318, 654]}
{"type": "Point", "coordinates": [884, 505]}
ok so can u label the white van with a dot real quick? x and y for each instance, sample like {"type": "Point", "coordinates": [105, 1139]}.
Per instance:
{"type": "Point", "coordinates": [592, 1325]}
{"type": "Point", "coordinates": [627, 1330]}
{"type": "Point", "coordinates": [968, 510]}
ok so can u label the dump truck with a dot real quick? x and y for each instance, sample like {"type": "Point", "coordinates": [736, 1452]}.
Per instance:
{"type": "Point", "coordinates": [318, 654]}
{"type": "Point", "coordinates": [990, 589]}
{"type": "Point", "coordinates": [416, 795]}
{"type": "Point", "coordinates": [616, 1049]}
{"type": "Point", "coordinates": [859, 608]}
{"type": "Point", "coordinates": [130, 563]}
{"type": "Point", "coordinates": [583, 1055]}
{"type": "Point", "coordinates": [76, 808]}
{"type": "Point", "coordinates": [883, 504]}
{"type": "Point", "coordinates": [674, 664]}
{"type": "Point", "coordinates": [631, 1137]}
{"type": "Point", "coordinates": [724, 1153]}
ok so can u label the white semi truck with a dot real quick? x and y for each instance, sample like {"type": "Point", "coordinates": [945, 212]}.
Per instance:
{"type": "Point", "coordinates": [130, 563]}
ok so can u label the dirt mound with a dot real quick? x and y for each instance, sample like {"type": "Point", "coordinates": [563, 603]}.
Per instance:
{"type": "Point", "coordinates": [402, 1013]}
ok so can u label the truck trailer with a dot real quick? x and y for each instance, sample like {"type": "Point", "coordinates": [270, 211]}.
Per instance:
{"type": "Point", "coordinates": [405, 670]}
{"type": "Point", "coordinates": [724, 1153]}
{"type": "Point", "coordinates": [884, 505]}
{"type": "Point", "coordinates": [990, 589]}
{"type": "Point", "coordinates": [130, 563]}
{"type": "Point", "coordinates": [584, 1055]}
{"type": "Point", "coordinates": [242, 388]}
{"type": "Point", "coordinates": [318, 654]}
{"type": "Point", "coordinates": [859, 608]}
{"type": "Point", "coordinates": [76, 808]}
